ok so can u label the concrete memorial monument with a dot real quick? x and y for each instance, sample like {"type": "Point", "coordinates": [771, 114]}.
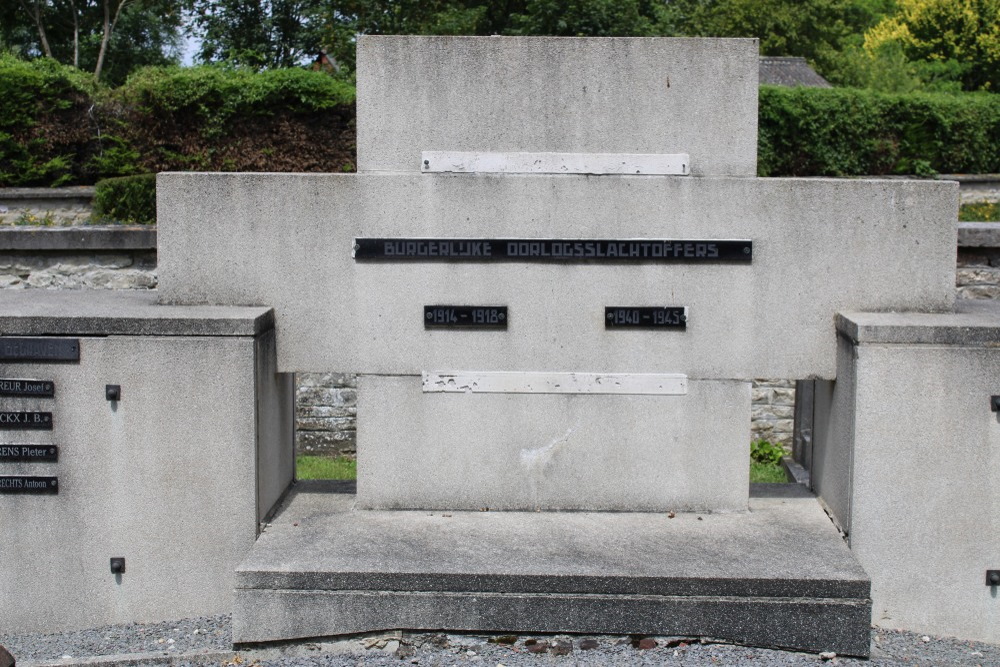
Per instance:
{"type": "Point", "coordinates": [556, 273]}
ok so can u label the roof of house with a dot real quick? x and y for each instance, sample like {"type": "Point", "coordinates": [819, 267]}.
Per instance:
{"type": "Point", "coordinates": [789, 71]}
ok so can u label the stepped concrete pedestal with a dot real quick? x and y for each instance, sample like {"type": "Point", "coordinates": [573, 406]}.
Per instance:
{"type": "Point", "coordinates": [779, 575]}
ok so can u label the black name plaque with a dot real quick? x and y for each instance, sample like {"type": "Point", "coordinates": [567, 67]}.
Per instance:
{"type": "Point", "coordinates": [26, 484]}
{"type": "Point", "coordinates": [472, 317]}
{"type": "Point", "coordinates": [39, 349]}
{"type": "Point", "coordinates": [26, 421]}
{"type": "Point", "coordinates": [644, 317]}
{"type": "Point", "coordinates": [26, 453]}
{"type": "Point", "coordinates": [554, 250]}
{"type": "Point", "coordinates": [38, 388]}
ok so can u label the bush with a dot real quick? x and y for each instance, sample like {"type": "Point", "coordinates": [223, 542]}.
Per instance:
{"type": "Point", "coordinates": [849, 132]}
{"type": "Point", "coordinates": [766, 452]}
{"type": "Point", "coordinates": [128, 199]}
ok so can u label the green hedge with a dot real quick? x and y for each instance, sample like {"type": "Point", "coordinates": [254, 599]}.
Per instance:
{"type": "Point", "coordinates": [847, 132]}
{"type": "Point", "coordinates": [128, 199]}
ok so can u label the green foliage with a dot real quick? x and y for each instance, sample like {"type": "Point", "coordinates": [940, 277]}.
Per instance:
{"type": "Point", "coordinates": [325, 467]}
{"type": "Point", "coordinates": [128, 199]}
{"type": "Point", "coordinates": [844, 132]}
{"type": "Point", "coordinates": [28, 88]}
{"type": "Point", "coordinates": [979, 212]}
{"type": "Point", "coordinates": [767, 473]}
{"type": "Point", "coordinates": [766, 452]}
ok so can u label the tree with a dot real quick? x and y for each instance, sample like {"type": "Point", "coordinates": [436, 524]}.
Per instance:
{"type": "Point", "coordinates": [108, 37]}
{"type": "Point", "coordinates": [957, 39]}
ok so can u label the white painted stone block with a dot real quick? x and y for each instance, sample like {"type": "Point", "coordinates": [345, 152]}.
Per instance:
{"type": "Point", "coordinates": [554, 163]}
{"type": "Point", "coordinates": [521, 382]}
{"type": "Point", "coordinates": [558, 94]}
{"type": "Point", "coordinates": [518, 451]}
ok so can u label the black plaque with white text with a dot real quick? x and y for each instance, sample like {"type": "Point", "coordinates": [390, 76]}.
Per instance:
{"type": "Point", "coordinates": [29, 453]}
{"type": "Point", "coordinates": [25, 421]}
{"type": "Point", "coordinates": [35, 388]}
{"type": "Point", "coordinates": [466, 317]}
{"type": "Point", "coordinates": [643, 317]}
{"type": "Point", "coordinates": [39, 349]}
{"type": "Point", "coordinates": [554, 250]}
{"type": "Point", "coordinates": [28, 484]}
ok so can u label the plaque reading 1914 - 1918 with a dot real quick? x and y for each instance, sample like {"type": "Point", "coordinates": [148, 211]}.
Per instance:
{"type": "Point", "coordinates": [37, 388]}
{"type": "Point", "coordinates": [554, 250]}
{"type": "Point", "coordinates": [39, 349]}
{"type": "Point", "coordinates": [26, 421]}
{"type": "Point", "coordinates": [643, 317]}
{"type": "Point", "coordinates": [492, 317]}
{"type": "Point", "coordinates": [28, 484]}
{"type": "Point", "coordinates": [29, 453]}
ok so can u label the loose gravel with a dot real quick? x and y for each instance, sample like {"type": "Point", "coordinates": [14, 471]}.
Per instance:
{"type": "Point", "coordinates": [180, 643]}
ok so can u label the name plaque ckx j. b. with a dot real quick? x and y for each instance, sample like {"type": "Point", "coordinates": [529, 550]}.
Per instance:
{"type": "Point", "coordinates": [554, 250]}
{"type": "Point", "coordinates": [26, 421]}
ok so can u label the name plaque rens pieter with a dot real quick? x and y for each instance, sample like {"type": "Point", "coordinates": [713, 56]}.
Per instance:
{"type": "Point", "coordinates": [466, 317]}
{"type": "Point", "coordinates": [554, 250]}
{"type": "Point", "coordinates": [38, 388]}
{"type": "Point", "coordinates": [26, 421]}
{"type": "Point", "coordinates": [39, 349]}
{"type": "Point", "coordinates": [644, 317]}
{"type": "Point", "coordinates": [28, 453]}
{"type": "Point", "coordinates": [26, 484]}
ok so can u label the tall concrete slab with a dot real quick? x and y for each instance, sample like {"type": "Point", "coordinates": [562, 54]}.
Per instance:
{"type": "Point", "coordinates": [819, 246]}
{"type": "Point", "coordinates": [921, 494]}
{"type": "Point", "coordinates": [174, 477]}
{"type": "Point", "coordinates": [558, 94]}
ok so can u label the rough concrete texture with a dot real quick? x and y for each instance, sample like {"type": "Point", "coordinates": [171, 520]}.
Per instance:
{"type": "Point", "coordinates": [924, 453]}
{"type": "Point", "coordinates": [165, 477]}
{"type": "Point", "coordinates": [129, 313]}
{"type": "Point", "coordinates": [116, 270]}
{"type": "Point", "coordinates": [776, 576]}
{"type": "Point", "coordinates": [878, 245]}
{"type": "Point", "coordinates": [558, 94]}
{"type": "Point", "coordinates": [275, 422]}
{"type": "Point", "coordinates": [552, 451]}
{"type": "Point", "coordinates": [971, 323]}
{"type": "Point", "coordinates": [108, 238]}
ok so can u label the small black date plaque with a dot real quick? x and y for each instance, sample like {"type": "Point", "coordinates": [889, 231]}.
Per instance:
{"type": "Point", "coordinates": [471, 317]}
{"type": "Point", "coordinates": [36, 388]}
{"type": "Point", "coordinates": [26, 421]}
{"type": "Point", "coordinates": [29, 453]}
{"type": "Point", "coordinates": [554, 250]}
{"type": "Point", "coordinates": [643, 317]}
{"type": "Point", "coordinates": [39, 349]}
{"type": "Point", "coordinates": [29, 484]}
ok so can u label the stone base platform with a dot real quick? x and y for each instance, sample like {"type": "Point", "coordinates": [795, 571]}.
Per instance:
{"type": "Point", "coordinates": [776, 576]}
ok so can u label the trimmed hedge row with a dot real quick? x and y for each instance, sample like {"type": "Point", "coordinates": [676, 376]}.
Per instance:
{"type": "Point", "coordinates": [128, 199]}
{"type": "Point", "coordinates": [56, 129]}
{"type": "Point", "coordinates": [847, 132]}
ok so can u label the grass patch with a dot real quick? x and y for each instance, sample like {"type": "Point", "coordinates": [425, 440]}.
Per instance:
{"type": "Point", "coordinates": [325, 467]}
{"type": "Point", "coordinates": [767, 473]}
{"type": "Point", "coordinates": [979, 212]}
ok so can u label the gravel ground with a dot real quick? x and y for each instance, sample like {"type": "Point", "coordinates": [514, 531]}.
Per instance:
{"type": "Point", "coordinates": [184, 640]}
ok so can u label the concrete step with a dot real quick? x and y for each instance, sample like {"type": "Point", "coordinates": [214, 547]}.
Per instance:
{"type": "Point", "coordinates": [777, 576]}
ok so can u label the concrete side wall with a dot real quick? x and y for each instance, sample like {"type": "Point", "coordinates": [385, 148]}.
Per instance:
{"type": "Point", "coordinates": [877, 245]}
{"type": "Point", "coordinates": [164, 478]}
{"type": "Point", "coordinates": [609, 95]}
{"type": "Point", "coordinates": [925, 484]}
{"type": "Point", "coordinates": [547, 451]}
{"type": "Point", "coordinates": [275, 425]}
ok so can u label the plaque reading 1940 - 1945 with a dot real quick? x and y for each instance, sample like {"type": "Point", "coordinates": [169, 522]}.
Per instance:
{"type": "Point", "coordinates": [489, 317]}
{"type": "Point", "coordinates": [37, 388]}
{"type": "Point", "coordinates": [554, 250]}
{"type": "Point", "coordinates": [642, 317]}
{"type": "Point", "coordinates": [28, 484]}
{"type": "Point", "coordinates": [39, 349]}
{"type": "Point", "coordinates": [28, 453]}
{"type": "Point", "coordinates": [26, 421]}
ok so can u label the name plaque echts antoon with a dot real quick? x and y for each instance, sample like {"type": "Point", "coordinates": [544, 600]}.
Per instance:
{"type": "Point", "coordinates": [465, 317]}
{"type": "Point", "coordinates": [554, 250]}
{"type": "Point", "coordinates": [29, 484]}
{"type": "Point", "coordinates": [643, 317]}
